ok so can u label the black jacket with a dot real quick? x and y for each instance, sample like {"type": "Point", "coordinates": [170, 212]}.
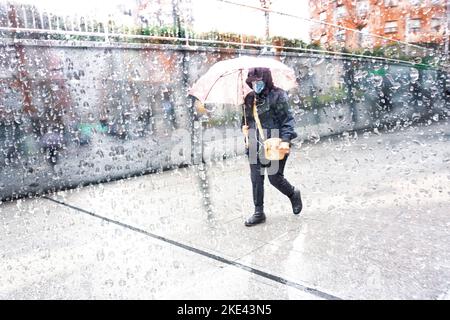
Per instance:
{"type": "Point", "coordinates": [273, 108]}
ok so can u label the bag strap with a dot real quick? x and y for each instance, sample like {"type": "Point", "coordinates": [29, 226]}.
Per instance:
{"type": "Point", "coordinates": [258, 123]}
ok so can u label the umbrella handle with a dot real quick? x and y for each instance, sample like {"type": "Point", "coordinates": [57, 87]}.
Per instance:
{"type": "Point", "coordinates": [245, 123]}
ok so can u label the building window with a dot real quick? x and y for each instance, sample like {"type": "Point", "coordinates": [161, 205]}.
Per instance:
{"type": "Point", "coordinates": [365, 39]}
{"type": "Point", "coordinates": [414, 25]}
{"type": "Point", "coordinates": [340, 35]}
{"type": "Point", "coordinates": [340, 12]}
{"type": "Point", "coordinates": [362, 7]}
{"type": "Point", "coordinates": [436, 24]}
{"type": "Point", "coordinates": [415, 2]}
{"type": "Point", "coordinates": [390, 27]}
{"type": "Point", "coordinates": [436, 2]}
{"type": "Point", "coordinates": [391, 3]}
{"type": "Point", "coordinates": [323, 16]}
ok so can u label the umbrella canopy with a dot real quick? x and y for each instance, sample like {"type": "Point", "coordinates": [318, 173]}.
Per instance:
{"type": "Point", "coordinates": [225, 83]}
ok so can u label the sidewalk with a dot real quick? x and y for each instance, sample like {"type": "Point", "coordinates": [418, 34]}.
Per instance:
{"type": "Point", "coordinates": [375, 225]}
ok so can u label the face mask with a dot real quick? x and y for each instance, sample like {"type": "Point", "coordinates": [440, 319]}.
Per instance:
{"type": "Point", "coordinates": [258, 86]}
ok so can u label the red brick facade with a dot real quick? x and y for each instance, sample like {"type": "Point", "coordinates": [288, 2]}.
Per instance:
{"type": "Point", "coordinates": [412, 21]}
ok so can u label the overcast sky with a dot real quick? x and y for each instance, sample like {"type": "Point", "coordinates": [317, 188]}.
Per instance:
{"type": "Point", "coordinates": [209, 15]}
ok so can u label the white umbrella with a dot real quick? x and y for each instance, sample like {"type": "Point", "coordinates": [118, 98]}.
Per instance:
{"type": "Point", "coordinates": [225, 83]}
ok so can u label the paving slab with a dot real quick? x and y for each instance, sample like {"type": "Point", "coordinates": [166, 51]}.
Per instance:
{"type": "Point", "coordinates": [375, 225]}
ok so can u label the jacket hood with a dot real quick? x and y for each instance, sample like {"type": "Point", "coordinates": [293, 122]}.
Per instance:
{"type": "Point", "coordinates": [264, 74]}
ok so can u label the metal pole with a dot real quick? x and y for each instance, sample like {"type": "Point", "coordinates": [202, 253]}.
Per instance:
{"type": "Point", "coordinates": [267, 26]}
{"type": "Point", "coordinates": [176, 18]}
{"type": "Point", "coordinates": [265, 4]}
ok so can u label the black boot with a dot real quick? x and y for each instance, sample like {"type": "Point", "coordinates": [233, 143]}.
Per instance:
{"type": "Point", "coordinates": [296, 201]}
{"type": "Point", "coordinates": [257, 218]}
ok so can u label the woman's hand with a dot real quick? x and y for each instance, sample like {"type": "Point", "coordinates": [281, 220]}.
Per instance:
{"type": "Point", "coordinates": [245, 130]}
{"type": "Point", "coordinates": [284, 147]}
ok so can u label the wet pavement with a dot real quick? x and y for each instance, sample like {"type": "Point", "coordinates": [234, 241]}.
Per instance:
{"type": "Point", "coordinates": [375, 225]}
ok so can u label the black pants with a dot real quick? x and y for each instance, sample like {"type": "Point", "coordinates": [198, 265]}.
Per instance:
{"type": "Point", "coordinates": [276, 178]}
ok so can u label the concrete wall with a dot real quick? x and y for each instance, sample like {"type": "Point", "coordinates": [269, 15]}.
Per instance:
{"type": "Point", "coordinates": [77, 113]}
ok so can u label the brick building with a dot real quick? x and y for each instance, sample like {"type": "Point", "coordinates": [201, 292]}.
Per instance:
{"type": "Point", "coordinates": [412, 21]}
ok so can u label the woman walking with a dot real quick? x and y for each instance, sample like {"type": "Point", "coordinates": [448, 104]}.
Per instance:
{"type": "Point", "coordinates": [267, 109]}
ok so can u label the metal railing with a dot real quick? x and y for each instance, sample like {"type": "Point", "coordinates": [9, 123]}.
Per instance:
{"type": "Point", "coordinates": [26, 21]}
